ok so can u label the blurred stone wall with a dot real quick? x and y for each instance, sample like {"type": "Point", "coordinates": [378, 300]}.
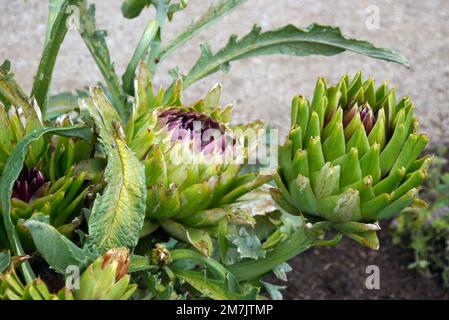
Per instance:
{"type": "Point", "coordinates": [260, 87]}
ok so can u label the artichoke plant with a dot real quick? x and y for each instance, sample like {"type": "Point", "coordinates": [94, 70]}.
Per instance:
{"type": "Point", "coordinates": [105, 279]}
{"type": "Point", "coordinates": [56, 177]}
{"type": "Point", "coordinates": [192, 157]}
{"type": "Point", "coordinates": [161, 163]}
{"type": "Point", "coordinates": [352, 157]}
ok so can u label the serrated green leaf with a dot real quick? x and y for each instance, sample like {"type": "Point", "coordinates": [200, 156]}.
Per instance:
{"type": "Point", "coordinates": [10, 91]}
{"type": "Point", "coordinates": [290, 40]}
{"type": "Point", "coordinates": [95, 41]}
{"type": "Point", "coordinates": [12, 171]}
{"type": "Point", "coordinates": [58, 251]}
{"type": "Point", "coordinates": [118, 214]}
{"type": "Point", "coordinates": [248, 245]}
{"type": "Point", "coordinates": [213, 14]}
{"type": "Point", "coordinates": [176, 7]}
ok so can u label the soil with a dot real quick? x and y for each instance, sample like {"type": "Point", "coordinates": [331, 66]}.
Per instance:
{"type": "Point", "coordinates": [340, 273]}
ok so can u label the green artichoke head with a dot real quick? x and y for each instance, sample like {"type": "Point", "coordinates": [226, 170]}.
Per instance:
{"type": "Point", "coordinates": [352, 157]}
{"type": "Point", "coordinates": [55, 187]}
{"type": "Point", "coordinates": [106, 278]}
{"type": "Point", "coordinates": [192, 155]}
{"type": "Point", "coordinates": [57, 173]}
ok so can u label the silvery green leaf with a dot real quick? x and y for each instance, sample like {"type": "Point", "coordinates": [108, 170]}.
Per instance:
{"type": "Point", "coordinates": [118, 214]}
{"type": "Point", "coordinates": [274, 290]}
{"type": "Point", "coordinates": [248, 246]}
{"type": "Point", "coordinates": [58, 251]}
{"type": "Point", "coordinates": [280, 271]}
{"type": "Point", "coordinates": [290, 40]}
{"type": "Point", "coordinates": [95, 41]}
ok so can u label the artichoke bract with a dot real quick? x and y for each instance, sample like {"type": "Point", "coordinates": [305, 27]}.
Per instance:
{"type": "Point", "coordinates": [192, 156]}
{"type": "Point", "coordinates": [351, 157]}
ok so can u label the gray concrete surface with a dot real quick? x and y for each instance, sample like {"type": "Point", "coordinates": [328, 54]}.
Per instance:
{"type": "Point", "coordinates": [260, 87]}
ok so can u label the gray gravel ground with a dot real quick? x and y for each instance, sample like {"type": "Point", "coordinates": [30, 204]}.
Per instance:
{"type": "Point", "coordinates": [260, 87]}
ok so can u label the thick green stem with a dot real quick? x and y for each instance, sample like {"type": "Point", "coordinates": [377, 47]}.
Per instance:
{"type": "Point", "coordinates": [300, 241]}
{"type": "Point", "coordinates": [95, 41]}
{"type": "Point", "coordinates": [54, 7]}
{"type": "Point", "coordinates": [213, 14]}
{"type": "Point", "coordinates": [47, 63]}
{"type": "Point", "coordinates": [139, 54]}
{"type": "Point", "coordinates": [213, 265]}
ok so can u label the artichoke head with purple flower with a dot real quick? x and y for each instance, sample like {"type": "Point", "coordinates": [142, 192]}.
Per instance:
{"type": "Point", "coordinates": [192, 156]}
{"type": "Point", "coordinates": [54, 182]}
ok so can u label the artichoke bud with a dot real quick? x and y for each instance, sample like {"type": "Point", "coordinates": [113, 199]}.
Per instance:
{"type": "Point", "coordinates": [34, 196]}
{"type": "Point", "coordinates": [206, 134]}
{"type": "Point", "coordinates": [192, 155]}
{"type": "Point", "coordinates": [160, 255]}
{"type": "Point", "coordinates": [29, 184]}
{"type": "Point", "coordinates": [352, 157]}
{"type": "Point", "coordinates": [106, 278]}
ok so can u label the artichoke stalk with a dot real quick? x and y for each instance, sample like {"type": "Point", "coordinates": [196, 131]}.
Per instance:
{"type": "Point", "coordinates": [351, 157]}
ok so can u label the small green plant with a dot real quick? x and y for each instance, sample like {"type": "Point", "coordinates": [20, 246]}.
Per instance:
{"type": "Point", "coordinates": [426, 230]}
{"type": "Point", "coordinates": [128, 167]}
